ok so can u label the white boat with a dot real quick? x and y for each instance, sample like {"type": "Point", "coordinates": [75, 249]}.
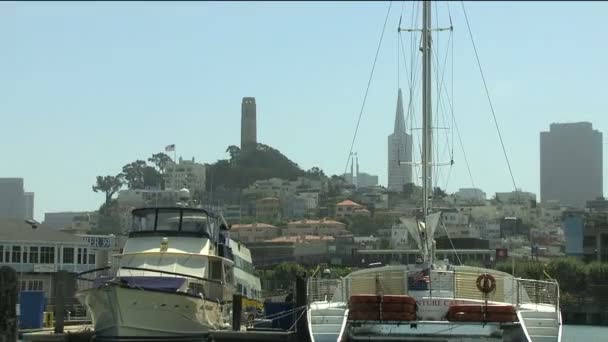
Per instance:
{"type": "Point", "coordinates": [174, 279]}
{"type": "Point", "coordinates": [432, 300]}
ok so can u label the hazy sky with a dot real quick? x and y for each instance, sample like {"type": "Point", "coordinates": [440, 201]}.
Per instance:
{"type": "Point", "coordinates": [87, 87]}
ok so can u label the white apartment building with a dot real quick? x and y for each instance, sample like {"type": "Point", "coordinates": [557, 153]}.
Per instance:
{"type": "Point", "coordinates": [186, 174]}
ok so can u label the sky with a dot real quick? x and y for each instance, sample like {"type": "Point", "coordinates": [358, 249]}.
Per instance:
{"type": "Point", "coordinates": [86, 87]}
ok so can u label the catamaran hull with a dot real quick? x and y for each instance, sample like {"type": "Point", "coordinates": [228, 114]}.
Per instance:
{"type": "Point", "coordinates": [434, 331]}
{"type": "Point", "coordinates": [122, 313]}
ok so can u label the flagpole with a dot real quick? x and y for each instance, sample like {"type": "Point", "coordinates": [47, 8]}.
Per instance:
{"type": "Point", "coordinates": [174, 166]}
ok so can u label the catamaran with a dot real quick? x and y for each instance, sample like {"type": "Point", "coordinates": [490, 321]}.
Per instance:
{"type": "Point", "coordinates": [432, 300]}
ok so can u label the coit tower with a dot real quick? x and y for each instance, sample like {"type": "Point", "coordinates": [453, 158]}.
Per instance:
{"type": "Point", "coordinates": [248, 123]}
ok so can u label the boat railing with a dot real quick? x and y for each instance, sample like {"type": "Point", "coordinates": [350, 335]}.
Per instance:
{"type": "Point", "coordinates": [320, 290]}
{"type": "Point", "coordinates": [86, 280]}
{"type": "Point", "coordinates": [454, 284]}
{"type": "Point", "coordinates": [537, 292]}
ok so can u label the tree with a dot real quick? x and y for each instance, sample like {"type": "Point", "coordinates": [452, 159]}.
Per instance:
{"type": "Point", "coordinates": [109, 219]}
{"type": "Point", "coordinates": [160, 160]}
{"type": "Point", "coordinates": [234, 152]}
{"type": "Point", "coordinates": [316, 173]}
{"type": "Point", "coordinates": [139, 175]}
{"type": "Point", "coordinates": [438, 193]}
{"type": "Point", "coordinates": [152, 178]}
{"type": "Point", "coordinates": [134, 174]}
{"type": "Point", "coordinates": [108, 185]}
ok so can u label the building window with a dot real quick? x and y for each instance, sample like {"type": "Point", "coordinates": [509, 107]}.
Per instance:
{"type": "Point", "coordinates": [92, 259]}
{"type": "Point", "coordinates": [32, 285]}
{"type": "Point", "coordinates": [16, 254]}
{"type": "Point", "coordinates": [82, 256]}
{"type": "Point", "coordinates": [34, 255]}
{"type": "Point", "coordinates": [7, 254]}
{"type": "Point", "coordinates": [47, 255]}
{"type": "Point", "coordinates": [1, 253]}
{"type": "Point", "coordinates": [68, 255]}
{"type": "Point", "coordinates": [25, 254]}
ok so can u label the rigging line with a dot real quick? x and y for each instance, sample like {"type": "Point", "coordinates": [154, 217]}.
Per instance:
{"type": "Point", "coordinates": [451, 243]}
{"type": "Point", "coordinates": [452, 79]}
{"type": "Point", "coordinates": [369, 82]}
{"type": "Point", "coordinates": [464, 153]}
{"type": "Point", "coordinates": [410, 110]}
{"type": "Point", "coordinates": [483, 78]}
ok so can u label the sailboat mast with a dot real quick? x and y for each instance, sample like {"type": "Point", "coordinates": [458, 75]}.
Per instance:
{"type": "Point", "coordinates": [427, 156]}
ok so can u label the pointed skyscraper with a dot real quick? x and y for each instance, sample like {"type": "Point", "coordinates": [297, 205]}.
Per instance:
{"type": "Point", "coordinates": [399, 151]}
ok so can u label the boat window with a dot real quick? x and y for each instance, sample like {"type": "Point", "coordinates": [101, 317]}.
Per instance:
{"type": "Point", "coordinates": [168, 220]}
{"type": "Point", "coordinates": [228, 274]}
{"type": "Point", "coordinates": [144, 221]}
{"type": "Point", "coordinates": [195, 222]}
{"type": "Point", "coordinates": [215, 270]}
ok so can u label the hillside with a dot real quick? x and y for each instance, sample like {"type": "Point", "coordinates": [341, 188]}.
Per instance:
{"type": "Point", "coordinates": [246, 166]}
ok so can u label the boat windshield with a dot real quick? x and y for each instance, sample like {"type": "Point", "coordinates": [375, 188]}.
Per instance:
{"type": "Point", "coordinates": [171, 220]}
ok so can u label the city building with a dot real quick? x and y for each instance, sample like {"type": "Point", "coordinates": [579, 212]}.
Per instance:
{"type": "Point", "coordinates": [595, 239]}
{"type": "Point", "coordinates": [348, 208]}
{"type": "Point", "coordinates": [268, 209]}
{"type": "Point", "coordinates": [599, 204]}
{"type": "Point", "coordinates": [186, 174]}
{"type": "Point", "coordinates": [574, 225]}
{"type": "Point", "coordinates": [254, 232]}
{"type": "Point", "coordinates": [294, 207]}
{"type": "Point", "coordinates": [311, 199]}
{"type": "Point", "coordinates": [232, 213]}
{"type": "Point", "coordinates": [12, 199]}
{"type": "Point", "coordinates": [516, 197]}
{"type": "Point", "coordinates": [470, 195]}
{"type": "Point", "coordinates": [248, 123]}
{"type": "Point", "coordinates": [322, 227]}
{"type": "Point", "coordinates": [29, 205]}
{"type": "Point", "coordinates": [60, 220]}
{"type": "Point", "coordinates": [399, 152]}
{"type": "Point", "coordinates": [363, 179]}
{"type": "Point", "coordinates": [399, 238]}
{"type": "Point", "coordinates": [36, 254]}
{"type": "Point", "coordinates": [513, 226]}
{"type": "Point", "coordinates": [571, 164]}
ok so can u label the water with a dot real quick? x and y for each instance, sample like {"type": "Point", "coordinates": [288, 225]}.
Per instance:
{"type": "Point", "coordinates": [584, 333]}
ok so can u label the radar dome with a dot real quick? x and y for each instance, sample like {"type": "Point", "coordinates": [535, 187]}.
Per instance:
{"type": "Point", "coordinates": [184, 193]}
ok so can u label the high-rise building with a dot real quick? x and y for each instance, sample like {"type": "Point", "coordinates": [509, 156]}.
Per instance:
{"type": "Point", "coordinates": [571, 164]}
{"type": "Point", "coordinates": [29, 205]}
{"type": "Point", "coordinates": [399, 152]}
{"type": "Point", "coordinates": [12, 199]}
{"type": "Point", "coordinates": [248, 123]}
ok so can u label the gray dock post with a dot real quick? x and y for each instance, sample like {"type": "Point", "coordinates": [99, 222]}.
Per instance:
{"type": "Point", "coordinates": [61, 279]}
{"type": "Point", "coordinates": [9, 287]}
{"type": "Point", "coordinates": [237, 311]}
{"type": "Point", "coordinates": [301, 301]}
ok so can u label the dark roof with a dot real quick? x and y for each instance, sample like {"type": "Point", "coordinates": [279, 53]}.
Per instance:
{"type": "Point", "coordinates": [11, 230]}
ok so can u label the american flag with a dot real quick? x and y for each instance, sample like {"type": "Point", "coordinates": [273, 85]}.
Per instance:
{"type": "Point", "coordinates": [419, 280]}
{"type": "Point", "coordinates": [170, 148]}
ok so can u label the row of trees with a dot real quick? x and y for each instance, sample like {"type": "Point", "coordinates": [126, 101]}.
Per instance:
{"type": "Point", "coordinates": [135, 175]}
{"type": "Point", "coordinates": [573, 276]}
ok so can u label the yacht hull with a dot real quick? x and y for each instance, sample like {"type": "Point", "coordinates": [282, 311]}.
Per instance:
{"type": "Point", "coordinates": [122, 313]}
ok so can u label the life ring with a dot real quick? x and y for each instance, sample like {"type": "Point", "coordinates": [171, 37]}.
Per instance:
{"type": "Point", "coordinates": [486, 283]}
